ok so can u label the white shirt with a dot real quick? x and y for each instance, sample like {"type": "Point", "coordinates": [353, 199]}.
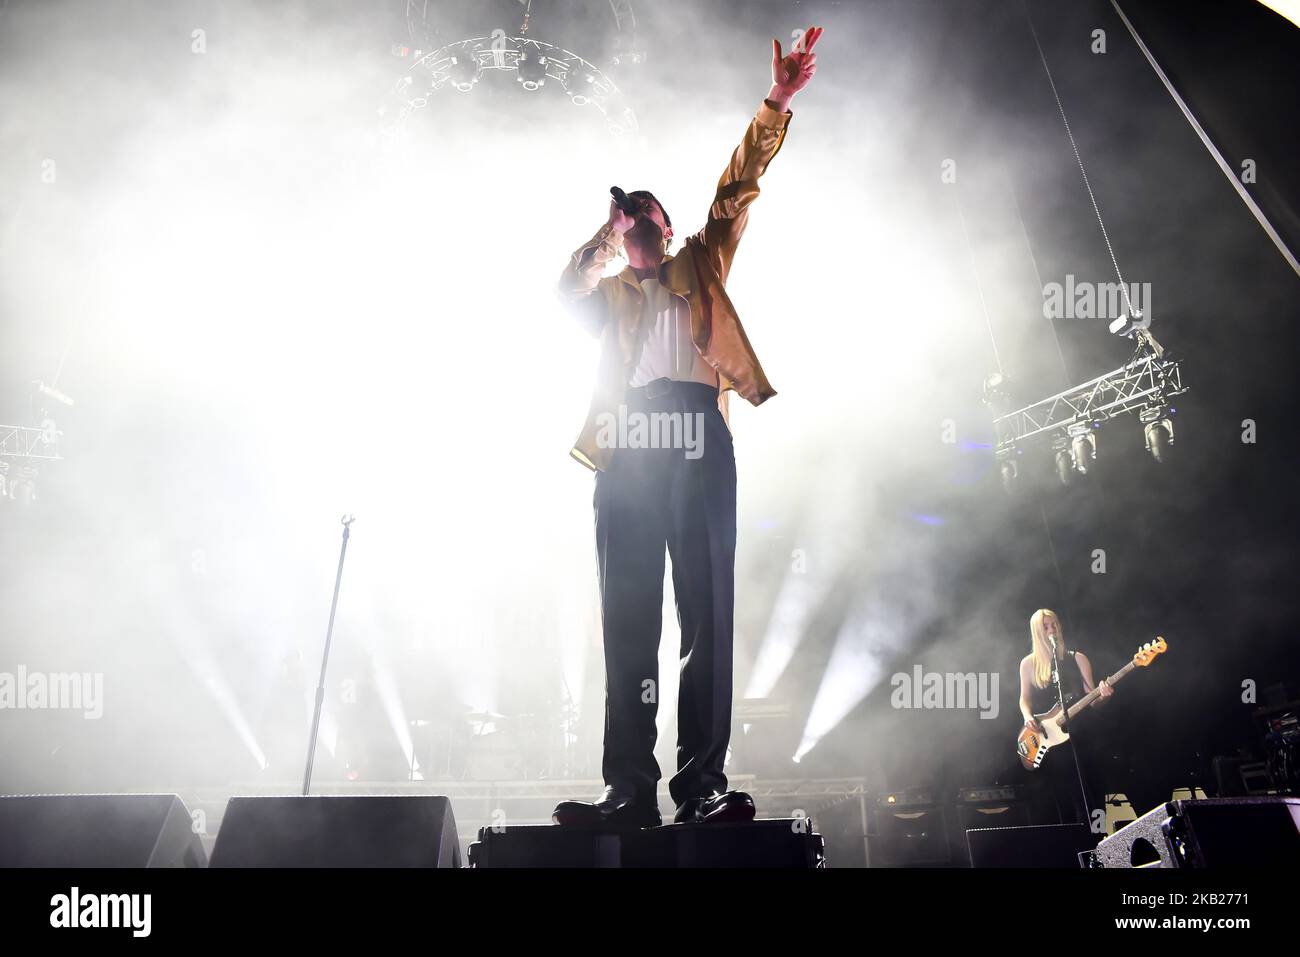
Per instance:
{"type": "Point", "coordinates": [667, 351]}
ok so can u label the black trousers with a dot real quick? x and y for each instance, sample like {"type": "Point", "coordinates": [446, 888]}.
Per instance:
{"type": "Point", "coordinates": [1061, 778]}
{"type": "Point", "coordinates": [684, 500]}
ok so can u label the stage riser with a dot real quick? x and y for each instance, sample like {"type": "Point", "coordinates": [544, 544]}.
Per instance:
{"type": "Point", "coordinates": [782, 843]}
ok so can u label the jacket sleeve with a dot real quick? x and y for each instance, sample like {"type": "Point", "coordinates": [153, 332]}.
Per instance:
{"type": "Point", "coordinates": [738, 186]}
{"type": "Point", "coordinates": [579, 288]}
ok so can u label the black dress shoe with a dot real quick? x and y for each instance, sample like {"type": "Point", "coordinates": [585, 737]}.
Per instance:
{"type": "Point", "coordinates": [615, 809]}
{"type": "Point", "coordinates": [729, 807]}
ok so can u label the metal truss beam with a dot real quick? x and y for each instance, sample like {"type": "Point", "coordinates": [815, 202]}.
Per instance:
{"type": "Point", "coordinates": [1147, 381]}
{"type": "Point", "coordinates": [20, 443]}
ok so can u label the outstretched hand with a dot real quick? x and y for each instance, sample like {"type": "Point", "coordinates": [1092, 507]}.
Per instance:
{"type": "Point", "coordinates": [791, 73]}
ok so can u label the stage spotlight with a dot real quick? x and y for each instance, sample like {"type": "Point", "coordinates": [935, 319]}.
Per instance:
{"type": "Point", "coordinates": [22, 486]}
{"type": "Point", "coordinates": [1064, 464]}
{"type": "Point", "coordinates": [52, 393]}
{"type": "Point", "coordinates": [1083, 448]}
{"type": "Point", "coordinates": [1139, 328]}
{"type": "Point", "coordinates": [621, 121]}
{"type": "Point", "coordinates": [1159, 432]}
{"type": "Point", "coordinates": [1126, 325]}
{"type": "Point", "coordinates": [579, 86]}
{"type": "Point", "coordinates": [532, 71]}
{"type": "Point", "coordinates": [1010, 473]}
{"type": "Point", "coordinates": [465, 70]}
{"type": "Point", "coordinates": [995, 392]}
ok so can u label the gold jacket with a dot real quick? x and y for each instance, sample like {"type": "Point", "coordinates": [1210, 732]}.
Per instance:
{"type": "Point", "coordinates": [610, 307]}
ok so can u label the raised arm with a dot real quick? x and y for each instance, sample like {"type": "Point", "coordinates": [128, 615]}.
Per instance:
{"type": "Point", "coordinates": [579, 285]}
{"type": "Point", "coordinates": [738, 186]}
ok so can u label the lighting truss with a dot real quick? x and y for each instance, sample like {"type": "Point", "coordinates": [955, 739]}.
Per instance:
{"type": "Point", "coordinates": [1144, 385]}
{"type": "Point", "coordinates": [19, 444]}
{"type": "Point", "coordinates": [581, 80]}
{"type": "Point", "coordinates": [22, 450]}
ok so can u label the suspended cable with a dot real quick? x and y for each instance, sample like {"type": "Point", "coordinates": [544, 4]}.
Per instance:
{"type": "Point", "coordinates": [979, 286]}
{"type": "Point", "coordinates": [1263, 221]}
{"type": "Point", "coordinates": [1123, 287]}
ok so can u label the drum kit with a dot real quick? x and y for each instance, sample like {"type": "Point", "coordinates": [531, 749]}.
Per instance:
{"type": "Point", "coordinates": [489, 746]}
{"type": "Point", "coordinates": [546, 744]}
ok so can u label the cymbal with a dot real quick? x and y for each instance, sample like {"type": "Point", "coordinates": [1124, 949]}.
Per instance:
{"type": "Point", "coordinates": [483, 716]}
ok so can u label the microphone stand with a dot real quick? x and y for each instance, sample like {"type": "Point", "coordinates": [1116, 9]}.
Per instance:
{"type": "Point", "coordinates": [1065, 726]}
{"type": "Point", "coordinates": [329, 632]}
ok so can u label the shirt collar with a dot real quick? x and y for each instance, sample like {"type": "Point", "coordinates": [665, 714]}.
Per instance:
{"type": "Point", "coordinates": [629, 276]}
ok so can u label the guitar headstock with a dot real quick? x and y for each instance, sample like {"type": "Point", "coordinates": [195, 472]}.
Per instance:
{"type": "Point", "coordinates": [1147, 653]}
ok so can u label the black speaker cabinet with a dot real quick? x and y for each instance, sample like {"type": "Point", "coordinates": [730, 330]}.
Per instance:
{"type": "Point", "coordinates": [1046, 845]}
{"type": "Point", "coordinates": [910, 836]}
{"type": "Point", "coordinates": [790, 843]}
{"type": "Point", "coordinates": [337, 831]}
{"type": "Point", "coordinates": [984, 815]}
{"type": "Point", "coordinates": [546, 845]}
{"type": "Point", "coordinates": [97, 830]}
{"type": "Point", "coordinates": [1218, 832]}
{"type": "Point", "coordinates": [780, 843]}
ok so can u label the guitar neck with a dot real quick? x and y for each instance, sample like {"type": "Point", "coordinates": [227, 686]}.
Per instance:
{"type": "Point", "coordinates": [1092, 696]}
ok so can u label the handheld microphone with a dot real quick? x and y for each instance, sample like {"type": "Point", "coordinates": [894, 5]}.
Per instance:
{"type": "Point", "coordinates": [624, 202]}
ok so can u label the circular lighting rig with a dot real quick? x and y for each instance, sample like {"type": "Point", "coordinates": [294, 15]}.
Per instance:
{"type": "Point", "coordinates": [465, 64]}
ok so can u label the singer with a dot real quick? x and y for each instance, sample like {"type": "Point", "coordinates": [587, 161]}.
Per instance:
{"type": "Point", "coordinates": [671, 345]}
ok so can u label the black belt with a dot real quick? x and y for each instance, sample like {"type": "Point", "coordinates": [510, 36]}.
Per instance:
{"type": "Point", "coordinates": [662, 387]}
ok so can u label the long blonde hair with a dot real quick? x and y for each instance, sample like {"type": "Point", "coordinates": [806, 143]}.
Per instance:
{"type": "Point", "coordinates": [1042, 647]}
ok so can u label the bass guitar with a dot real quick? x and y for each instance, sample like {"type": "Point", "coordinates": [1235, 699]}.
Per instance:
{"type": "Point", "coordinates": [1032, 746]}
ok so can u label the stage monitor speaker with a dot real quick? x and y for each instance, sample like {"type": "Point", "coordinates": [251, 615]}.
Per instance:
{"type": "Point", "coordinates": [1044, 845]}
{"type": "Point", "coordinates": [1217, 832]}
{"type": "Point", "coordinates": [337, 831]}
{"type": "Point", "coordinates": [98, 830]}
